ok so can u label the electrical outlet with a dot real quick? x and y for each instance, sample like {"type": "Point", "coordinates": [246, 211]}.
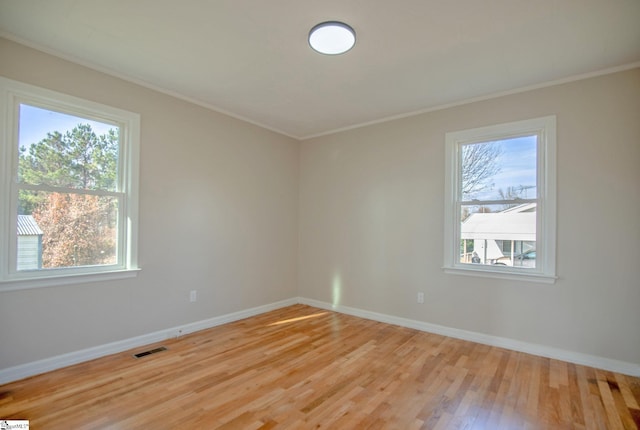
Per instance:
{"type": "Point", "coordinates": [193, 296]}
{"type": "Point", "coordinates": [420, 297]}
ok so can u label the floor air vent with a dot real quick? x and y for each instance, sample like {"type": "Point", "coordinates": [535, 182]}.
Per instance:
{"type": "Point", "coordinates": [151, 351]}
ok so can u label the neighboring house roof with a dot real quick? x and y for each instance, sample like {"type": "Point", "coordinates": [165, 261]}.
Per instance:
{"type": "Point", "coordinates": [526, 207]}
{"type": "Point", "coordinates": [512, 224]}
{"type": "Point", "coordinates": [27, 226]}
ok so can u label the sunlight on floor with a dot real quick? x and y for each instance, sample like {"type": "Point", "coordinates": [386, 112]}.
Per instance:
{"type": "Point", "coordinates": [319, 314]}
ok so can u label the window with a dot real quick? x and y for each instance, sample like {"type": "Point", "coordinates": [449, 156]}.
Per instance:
{"type": "Point", "coordinates": [500, 201]}
{"type": "Point", "coordinates": [69, 182]}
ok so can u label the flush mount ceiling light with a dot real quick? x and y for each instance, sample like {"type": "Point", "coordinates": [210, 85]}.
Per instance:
{"type": "Point", "coordinates": [332, 38]}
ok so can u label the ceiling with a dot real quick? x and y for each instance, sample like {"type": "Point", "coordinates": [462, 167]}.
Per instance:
{"type": "Point", "coordinates": [251, 59]}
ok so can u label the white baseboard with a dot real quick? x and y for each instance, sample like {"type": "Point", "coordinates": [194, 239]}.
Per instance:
{"type": "Point", "coordinates": [36, 367]}
{"type": "Point", "coordinates": [617, 366]}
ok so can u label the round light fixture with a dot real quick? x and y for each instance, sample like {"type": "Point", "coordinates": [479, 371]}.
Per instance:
{"type": "Point", "coordinates": [332, 38]}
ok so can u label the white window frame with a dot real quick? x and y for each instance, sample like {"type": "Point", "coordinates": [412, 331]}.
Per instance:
{"type": "Point", "coordinates": [14, 93]}
{"type": "Point", "coordinates": [545, 129]}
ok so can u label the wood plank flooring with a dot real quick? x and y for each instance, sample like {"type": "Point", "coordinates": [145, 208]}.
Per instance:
{"type": "Point", "coordinates": [306, 368]}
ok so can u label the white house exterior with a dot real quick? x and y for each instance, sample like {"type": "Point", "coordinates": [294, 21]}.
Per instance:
{"type": "Point", "coordinates": [501, 235]}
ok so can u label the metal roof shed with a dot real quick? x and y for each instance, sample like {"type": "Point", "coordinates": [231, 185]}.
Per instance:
{"type": "Point", "coordinates": [27, 226]}
{"type": "Point", "coordinates": [29, 243]}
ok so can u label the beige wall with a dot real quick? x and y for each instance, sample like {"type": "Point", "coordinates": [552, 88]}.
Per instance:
{"type": "Point", "coordinates": [218, 213]}
{"type": "Point", "coordinates": [371, 220]}
{"type": "Point", "coordinates": [249, 217]}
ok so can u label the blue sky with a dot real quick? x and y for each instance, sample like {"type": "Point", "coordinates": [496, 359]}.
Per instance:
{"type": "Point", "coordinates": [517, 162]}
{"type": "Point", "coordinates": [36, 122]}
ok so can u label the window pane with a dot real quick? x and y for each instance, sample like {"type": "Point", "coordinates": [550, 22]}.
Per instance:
{"type": "Point", "coordinates": [499, 170]}
{"type": "Point", "coordinates": [503, 235]}
{"type": "Point", "coordinates": [66, 230]}
{"type": "Point", "coordinates": [61, 150]}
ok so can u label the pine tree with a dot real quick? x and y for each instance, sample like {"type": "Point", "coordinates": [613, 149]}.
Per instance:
{"type": "Point", "coordinates": [79, 229]}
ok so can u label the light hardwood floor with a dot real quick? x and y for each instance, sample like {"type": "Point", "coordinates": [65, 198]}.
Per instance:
{"type": "Point", "coordinates": [303, 368]}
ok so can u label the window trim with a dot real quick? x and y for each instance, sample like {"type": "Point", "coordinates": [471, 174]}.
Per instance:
{"type": "Point", "coordinates": [545, 128]}
{"type": "Point", "coordinates": [14, 93]}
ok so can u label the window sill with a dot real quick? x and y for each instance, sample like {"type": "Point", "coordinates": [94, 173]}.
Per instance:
{"type": "Point", "coordinates": [67, 279]}
{"type": "Point", "coordinates": [495, 274]}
